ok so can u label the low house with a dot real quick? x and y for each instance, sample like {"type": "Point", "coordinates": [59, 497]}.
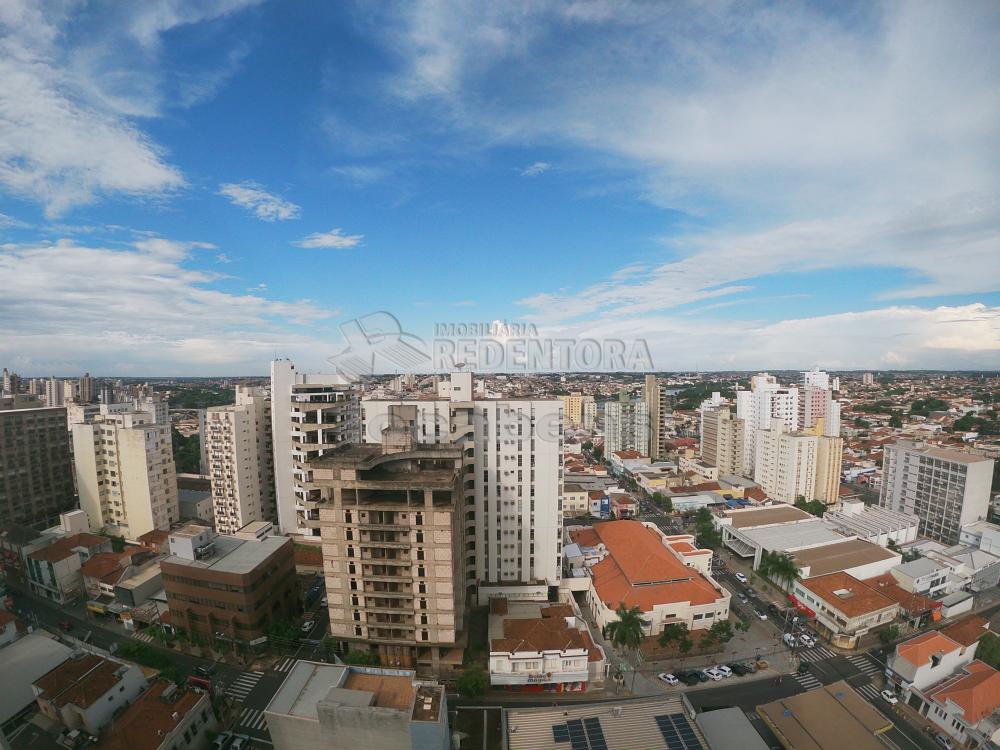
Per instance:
{"type": "Point", "coordinates": [24, 661]}
{"type": "Point", "coordinates": [575, 501]}
{"type": "Point", "coordinates": [540, 647]}
{"type": "Point", "coordinates": [54, 571]}
{"type": "Point", "coordinates": [164, 717]}
{"type": "Point", "coordinates": [623, 505]}
{"type": "Point", "coordinates": [633, 562]}
{"type": "Point", "coordinates": [923, 576]}
{"type": "Point", "coordinates": [924, 661]}
{"type": "Point", "coordinates": [844, 607]}
{"type": "Point", "coordinates": [86, 690]}
{"type": "Point", "coordinates": [964, 704]}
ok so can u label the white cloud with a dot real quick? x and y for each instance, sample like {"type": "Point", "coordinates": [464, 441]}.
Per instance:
{"type": "Point", "coordinates": [335, 239]}
{"type": "Point", "coordinates": [144, 305]}
{"type": "Point", "coordinates": [264, 205]}
{"type": "Point", "coordinates": [70, 102]}
{"type": "Point", "coordinates": [539, 167]}
{"type": "Point", "coordinates": [9, 222]}
{"type": "Point", "coordinates": [362, 174]}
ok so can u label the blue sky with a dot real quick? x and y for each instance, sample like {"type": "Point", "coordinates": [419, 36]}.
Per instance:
{"type": "Point", "coordinates": [191, 187]}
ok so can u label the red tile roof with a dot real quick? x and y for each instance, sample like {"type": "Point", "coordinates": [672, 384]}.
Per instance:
{"type": "Point", "coordinates": [918, 651]}
{"type": "Point", "coordinates": [543, 634]}
{"type": "Point", "coordinates": [966, 631]}
{"type": "Point", "coordinates": [79, 681]}
{"type": "Point", "coordinates": [146, 723]}
{"type": "Point", "coordinates": [976, 691]}
{"type": "Point", "coordinates": [63, 548]}
{"type": "Point", "coordinates": [640, 571]}
{"type": "Point", "coordinates": [859, 598]}
{"type": "Point", "coordinates": [103, 563]}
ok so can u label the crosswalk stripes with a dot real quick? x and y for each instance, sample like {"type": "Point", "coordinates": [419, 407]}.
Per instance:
{"type": "Point", "coordinates": [869, 691]}
{"type": "Point", "coordinates": [807, 681]}
{"type": "Point", "coordinates": [285, 665]}
{"type": "Point", "coordinates": [146, 637]}
{"type": "Point", "coordinates": [253, 718]}
{"type": "Point", "coordinates": [819, 653]}
{"type": "Point", "coordinates": [241, 687]}
{"type": "Point", "coordinates": [862, 662]}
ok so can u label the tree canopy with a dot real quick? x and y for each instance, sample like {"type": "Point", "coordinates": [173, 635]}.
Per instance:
{"type": "Point", "coordinates": [626, 631]}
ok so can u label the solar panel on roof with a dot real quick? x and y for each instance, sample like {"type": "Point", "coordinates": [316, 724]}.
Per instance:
{"type": "Point", "coordinates": [677, 732]}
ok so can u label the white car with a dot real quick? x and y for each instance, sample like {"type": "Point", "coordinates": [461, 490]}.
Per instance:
{"type": "Point", "coordinates": [307, 626]}
{"type": "Point", "coordinates": [668, 678]}
{"type": "Point", "coordinates": [712, 674]}
{"type": "Point", "coordinates": [807, 640]}
{"type": "Point", "coordinates": [760, 614]}
{"type": "Point", "coordinates": [789, 640]}
{"type": "Point", "coordinates": [889, 697]}
{"type": "Point", "coordinates": [741, 578]}
{"type": "Point", "coordinates": [724, 670]}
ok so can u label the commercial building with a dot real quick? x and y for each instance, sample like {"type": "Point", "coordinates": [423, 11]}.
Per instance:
{"type": "Point", "coordinates": [722, 438]}
{"type": "Point", "coordinates": [310, 413]}
{"type": "Point", "coordinates": [644, 724]}
{"type": "Point", "coordinates": [873, 523]}
{"type": "Point", "coordinates": [36, 469]}
{"type": "Point", "coordinates": [537, 647]}
{"type": "Point", "coordinates": [24, 661]}
{"type": "Point", "coordinates": [855, 557]}
{"type": "Point", "coordinates": [85, 691]}
{"type": "Point", "coordinates": [125, 473]}
{"type": "Point", "coordinates": [766, 400]}
{"type": "Point", "coordinates": [668, 578]}
{"type": "Point", "coordinates": [575, 500]}
{"type": "Point", "coordinates": [394, 548]}
{"type": "Point", "coordinates": [923, 576]}
{"type": "Point", "coordinates": [326, 705]}
{"type": "Point", "coordinates": [626, 425]}
{"type": "Point", "coordinates": [945, 488]}
{"type": "Point", "coordinates": [844, 607]}
{"type": "Point", "coordinates": [164, 717]}
{"type": "Point", "coordinates": [512, 464]}
{"type": "Point", "coordinates": [229, 586]}
{"type": "Point", "coordinates": [241, 460]}
{"type": "Point", "coordinates": [831, 717]}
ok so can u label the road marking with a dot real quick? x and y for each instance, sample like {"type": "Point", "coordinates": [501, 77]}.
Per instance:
{"type": "Point", "coordinates": [146, 637]}
{"type": "Point", "coordinates": [243, 685]}
{"type": "Point", "coordinates": [285, 665]}
{"type": "Point", "coordinates": [862, 662]}
{"type": "Point", "coordinates": [819, 653]}
{"type": "Point", "coordinates": [807, 681]}
{"type": "Point", "coordinates": [869, 691]}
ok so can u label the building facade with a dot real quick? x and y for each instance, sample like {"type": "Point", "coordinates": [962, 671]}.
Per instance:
{"type": "Point", "coordinates": [233, 585]}
{"type": "Point", "coordinates": [722, 440]}
{"type": "Point", "coordinates": [36, 467]}
{"type": "Point", "coordinates": [310, 414]}
{"type": "Point", "coordinates": [394, 547]}
{"type": "Point", "coordinates": [125, 473]}
{"type": "Point", "coordinates": [241, 460]}
{"type": "Point", "coordinates": [945, 488]}
{"type": "Point", "coordinates": [766, 400]}
{"type": "Point", "coordinates": [785, 463]}
{"type": "Point", "coordinates": [626, 426]}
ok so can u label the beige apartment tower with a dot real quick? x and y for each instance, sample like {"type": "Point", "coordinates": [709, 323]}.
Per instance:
{"type": "Point", "coordinates": [829, 461]}
{"type": "Point", "coordinates": [392, 524]}
{"type": "Point", "coordinates": [241, 460]}
{"type": "Point", "coordinates": [575, 409]}
{"type": "Point", "coordinates": [722, 441]}
{"type": "Point", "coordinates": [125, 473]}
{"type": "Point", "coordinates": [785, 463]}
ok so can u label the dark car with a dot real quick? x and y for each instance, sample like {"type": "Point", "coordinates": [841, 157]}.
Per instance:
{"type": "Point", "coordinates": [204, 671]}
{"type": "Point", "coordinates": [804, 668]}
{"type": "Point", "coordinates": [773, 608]}
{"type": "Point", "coordinates": [739, 670]}
{"type": "Point", "coordinates": [65, 626]}
{"type": "Point", "coordinates": [689, 678]}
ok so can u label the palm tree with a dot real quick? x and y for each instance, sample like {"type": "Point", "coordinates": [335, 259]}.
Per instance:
{"type": "Point", "coordinates": [626, 632]}
{"type": "Point", "coordinates": [780, 568]}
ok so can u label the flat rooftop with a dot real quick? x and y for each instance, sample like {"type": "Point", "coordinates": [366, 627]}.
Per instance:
{"type": "Point", "coordinates": [831, 558]}
{"type": "Point", "coordinates": [746, 519]}
{"type": "Point", "coordinates": [792, 535]}
{"type": "Point", "coordinates": [24, 661]}
{"type": "Point", "coordinates": [234, 555]}
{"type": "Point", "coordinates": [831, 717]}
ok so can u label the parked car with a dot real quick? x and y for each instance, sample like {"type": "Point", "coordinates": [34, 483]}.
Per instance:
{"type": "Point", "coordinates": [807, 640]}
{"type": "Point", "coordinates": [750, 667]}
{"type": "Point", "coordinates": [742, 597]}
{"type": "Point", "coordinates": [222, 741]}
{"type": "Point", "coordinates": [239, 742]}
{"type": "Point", "coordinates": [889, 697]}
{"type": "Point", "coordinates": [668, 678]}
{"type": "Point", "coordinates": [307, 626]}
{"type": "Point", "coordinates": [689, 678]}
{"type": "Point", "coordinates": [702, 677]}
{"type": "Point", "coordinates": [759, 614]}
{"type": "Point", "coordinates": [204, 671]}
{"type": "Point", "coordinates": [772, 608]}
{"type": "Point", "coordinates": [712, 674]}
{"type": "Point", "coordinates": [724, 670]}
{"type": "Point", "coordinates": [739, 669]}
{"type": "Point", "coordinates": [804, 668]}
{"type": "Point", "coordinates": [789, 640]}
{"type": "Point", "coordinates": [944, 741]}
{"type": "Point", "coordinates": [741, 578]}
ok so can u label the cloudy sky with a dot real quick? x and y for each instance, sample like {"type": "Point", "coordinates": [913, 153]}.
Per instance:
{"type": "Point", "coordinates": [191, 187]}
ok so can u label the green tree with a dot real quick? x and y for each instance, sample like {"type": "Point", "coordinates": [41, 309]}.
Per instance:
{"type": "Point", "coordinates": [888, 635]}
{"type": "Point", "coordinates": [187, 452]}
{"type": "Point", "coordinates": [779, 567]}
{"type": "Point", "coordinates": [721, 631]}
{"type": "Point", "coordinates": [895, 420]}
{"type": "Point", "coordinates": [282, 631]}
{"type": "Point", "coordinates": [988, 650]}
{"type": "Point", "coordinates": [361, 658]}
{"type": "Point", "coordinates": [587, 445]}
{"type": "Point", "coordinates": [861, 424]}
{"type": "Point", "coordinates": [684, 645]}
{"type": "Point", "coordinates": [473, 682]}
{"type": "Point", "coordinates": [674, 632]}
{"type": "Point", "coordinates": [626, 632]}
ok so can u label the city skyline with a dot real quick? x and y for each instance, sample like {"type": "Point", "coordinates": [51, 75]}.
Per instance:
{"type": "Point", "coordinates": [189, 189]}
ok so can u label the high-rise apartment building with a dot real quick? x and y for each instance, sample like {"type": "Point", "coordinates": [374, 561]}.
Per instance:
{"type": "Point", "coordinates": [512, 461]}
{"type": "Point", "coordinates": [829, 461]}
{"type": "Point", "coordinates": [816, 404]}
{"type": "Point", "coordinates": [36, 468]}
{"type": "Point", "coordinates": [659, 408]}
{"type": "Point", "coordinates": [722, 440]}
{"type": "Point", "coordinates": [125, 473]}
{"type": "Point", "coordinates": [71, 391]}
{"type": "Point", "coordinates": [394, 546]}
{"type": "Point", "coordinates": [241, 460]}
{"type": "Point", "coordinates": [86, 389]}
{"type": "Point", "coordinates": [575, 408]}
{"type": "Point", "coordinates": [945, 488]}
{"type": "Point", "coordinates": [626, 425]}
{"type": "Point", "coordinates": [766, 400]}
{"type": "Point", "coordinates": [10, 384]}
{"type": "Point", "coordinates": [310, 414]}
{"type": "Point", "coordinates": [154, 404]}
{"type": "Point", "coordinates": [868, 378]}
{"type": "Point", "coordinates": [54, 393]}
{"type": "Point", "coordinates": [785, 466]}
{"type": "Point", "coordinates": [589, 414]}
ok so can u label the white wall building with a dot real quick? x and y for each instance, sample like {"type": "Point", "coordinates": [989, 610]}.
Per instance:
{"type": "Point", "coordinates": [241, 460]}
{"type": "Point", "coordinates": [310, 413]}
{"type": "Point", "coordinates": [945, 488]}
{"type": "Point", "coordinates": [513, 459]}
{"type": "Point", "coordinates": [626, 426]}
{"type": "Point", "coordinates": [767, 399]}
{"type": "Point", "coordinates": [125, 473]}
{"type": "Point", "coordinates": [785, 463]}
